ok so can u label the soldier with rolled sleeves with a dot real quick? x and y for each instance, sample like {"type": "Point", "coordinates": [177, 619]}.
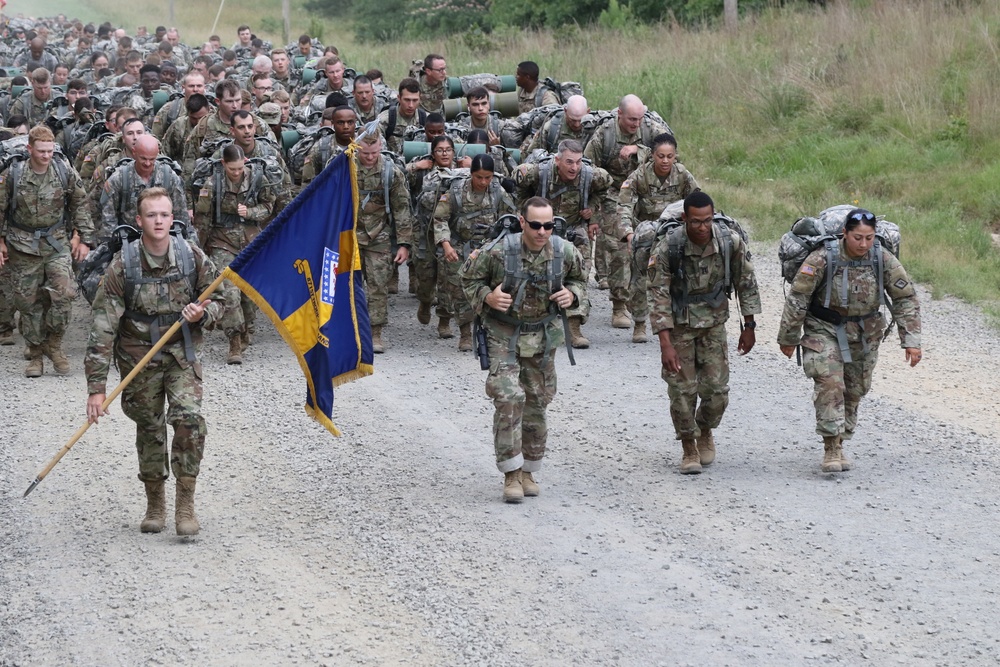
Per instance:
{"type": "Point", "coordinates": [688, 312]}
{"type": "Point", "coordinates": [520, 311]}
{"type": "Point", "coordinates": [433, 91]}
{"type": "Point", "coordinates": [153, 282]}
{"type": "Point", "coordinates": [377, 218]}
{"type": "Point", "coordinates": [45, 226]}
{"type": "Point", "coordinates": [643, 197]}
{"type": "Point", "coordinates": [530, 93]}
{"type": "Point", "coordinates": [575, 189]}
{"type": "Point", "coordinates": [843, 327]}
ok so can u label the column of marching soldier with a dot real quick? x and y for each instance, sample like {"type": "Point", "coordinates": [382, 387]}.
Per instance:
{"type": "Point", "coordinates": [103, 130]}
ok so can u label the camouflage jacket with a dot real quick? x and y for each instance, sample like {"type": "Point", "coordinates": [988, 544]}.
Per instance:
{"type": "Point", "coordinates": [40, 203]}
{"type": "Point", "coordinates": [470, 218]}
{"type": "Point", "coordinates": [644, 195]}
{"type": "Point", "coordinates": [28, 105]}
{"type": "Point", "coordinates": [374, 226]}
{"type": "Point", "coordinates": [486, 268]}
{"type": "Point", "coordinates": [543, 141]}
{"type": "Point", "coordinates": [618, 168]}
{"type": "Point", "coordinates": [267, 149]}
{"type": "Point", "coordinates": [172, 144]}
{"type": "Point", "coordinates": [233, 233]}
{"type": "Point", "coordinates": [167, 115]}
{"type": "Point", "coordinates": [394, 142]}
{"type": "Point", "coordinates": [112, 332]}
{"type": "Point", "coordinates": [705, 270]}
{"type": "Point", "coordinates": [526, 100]}
{"type": "Point", "coordinates": [209, 129]}
{"type": "Point", "coordinates": [862, 299]}
{"type": "Point", "coordinates": [566, 197]}
{"type": "Point", "coordinates": [432, 97]}
{"type": "Point", "coordinates": [120, 195]}
{"type": "Point", "coordinates": [325, 149]}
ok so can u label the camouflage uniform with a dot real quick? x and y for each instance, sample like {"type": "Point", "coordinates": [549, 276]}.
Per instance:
{"type": "Point", "coordinates": [394, 142]}
{"type": "Point", "coordinates": [698, 332]}
{"type": "Point", "coordinates": [208, 130]}
{"type": "Point", "coordinates": [493, 124]}
{"type": "Point", "coordinates": [432, 97]}
{"type": "Point", "coordinates": [527, 101]}
{"type": "Point", "coordinates": [172, 376]}
{"type": "Point", "coordinates": [7, 309]}
{"type": "Point", "coordinates": [225, 238]}
{"type": "Point", "coordinates": [542, 140]}
{"type": "Point", "coordinates": [374, 229]}
{"type": "Point", "coordinates": [523, 386]}
{"type": "Point", "coordinates": [120, 195]}
{"type": "Point", "coordinates": [168, 114]}
{"type": "Point", "coordinates": [466, 228]}
{"type": "Point", "coordinates": [567, 203]}
{"type": "Point", "coordinates": [643, 196]}
{"type": "Point", "coordinates": [174, 138]}
{"type": "Point", "coordinates": [29, 106]}
{"type": "Point", "coordinates": [325, 149]}
{"type": "Point", "coordinates": [839, 385]}
{"type": "Point", "coordinates": [41, 268]}
{"type": "Point", "coordinates": [270, 151]}
{"type": "Point", "coordinates": [616, 248]}
{"type": "Point", "coordinates": [426, 188]}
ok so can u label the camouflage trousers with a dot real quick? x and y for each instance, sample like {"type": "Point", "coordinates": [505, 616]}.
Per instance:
{"type": "Point", "coordinates": [600, 259]}
{"type": "Point", "coordinates": [520, 391]}
{"type": "Point", "coordinates": [582, 244]}
{"type": "Point", "coordinates": [838, 387]}
{"type": "Point", "coordinates": [450, 295]}
{"type": "Point", "coordinates": [617, 257]}
{"type": "Point", "coordinates": [7, 308]}
{"type": "Point", "coordinates": [376, 265]}
{"type": "Point", "coordinates": [240, 315]}
{"type": "Point", "coordinates": [44, 289]}
{"type": "Point", "coordinates": [704, 374]}
{"type": "Point", "coordinates": [179, 384]}
{"type": "Point", "coordinates": [425, 271]}
{"type": "Point", "coordinates": [638, 299]}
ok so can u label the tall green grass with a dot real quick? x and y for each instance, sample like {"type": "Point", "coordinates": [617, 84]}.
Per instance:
{"type": "Point", "coordinates": [890, 104]}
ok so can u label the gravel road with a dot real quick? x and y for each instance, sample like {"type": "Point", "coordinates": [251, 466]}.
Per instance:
{"type": "Point", "coordinates": [391, 546]}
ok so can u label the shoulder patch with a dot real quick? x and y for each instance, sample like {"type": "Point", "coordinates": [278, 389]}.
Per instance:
{"type": "Point", "coordinates": [652, 261]}
{"type": "Point", "coordinates": [88, 159]}
{"type": "Point", "coordinates": [474, 254]}
{"type": "Point", "coordinates": [443, 197]}
{"type": "Point", "coordinates": [808, 269]}
{"type": "Point", "coordinates": [900, 284]}
{"type": "Point", "coordinates": [627, 183]}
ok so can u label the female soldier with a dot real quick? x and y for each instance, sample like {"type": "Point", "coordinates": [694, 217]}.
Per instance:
{"type": "Point", "coordinates": [844, 326]}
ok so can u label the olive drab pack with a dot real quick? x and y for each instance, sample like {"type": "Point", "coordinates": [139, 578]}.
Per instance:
{"type": "Point", "coordinates": [393, 118]}
{"type": "Point", "coordinates": [13, 163]}
{"type": "Point", "coordinates": [563, 91]}
{"type": "Point", "coordinates": [547, 172]}
{"type": "Point", "coordinates": [91, 271]}
{"type": "Point", "coordinates": [300, 151]}
{"type": "Point", "coordinates": [209, 175]}
{"type": "Point", "coordinates": [516, 131]}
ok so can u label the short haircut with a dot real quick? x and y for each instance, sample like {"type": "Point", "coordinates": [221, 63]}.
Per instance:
{"type": "Point", "coordinates": [40, 75]}
{"type": "Point", "coordinates": [76, 84]}
{"type": "Point", "coordinates": [332, 60]}
{"type": "Point", "coordinates": [363, 79]}
{"type": "Point", "coordinates": [305, 39]}
{"type": "Point", "coordinates": [232, 153]}
{"type": "Point", "coordinates": [226, 86]}
{"type": "Point", "coordinates": [409, 85]}
{"type": "Point", "coordinates": [129, 121]}
{"type": "Point", "coordinates": [373, 138]}
{"type": "Point", "coordinates": [482, 162]}
{"type": "Point", "coordinates": [152, 193]}
{"type": "Point", "coordinates": [534, 202]}
{"type": "Point", "coordinates": [664, 138]}
{"type": "Point", "coordinates": [277, 52]}
{"type": "Point", "coordinates": [433, 118]}
{"type": "Point", "coordinates": [81, 104]}
{"type": "Point", "coordinates": [196, 103]}
{"type": "Point", "coordinates": [336, 99]}
{"type": "Point", "coordinates": [148, 68]}
{"type": "Point", "coordinates": [242, 28]}
{"type": "Point", "coordinates": [429, 60]}
{"type": "Point", "coordinates": [40, 133]}
{"type": "Point", "coordinates": [528, 68]}
{"type": "Point", "coordinates": [123, 114]}
{"type": "Point", "coordinates": [477, 93]}
{"type": "Point", "coordinates": [374, 73]}
{"type": "Point", "coordinates": [239, 114]}
{"type": "Point", "coordinates": [133, 57]}
{"type": "Point", "coordinates": [17, 120]}
{"type": "Point", "coordinates": [569, 146]}
{"type": "Point", "coordinates": [280, 96]}
{"type": "Point", "coordinates": [698, 199]}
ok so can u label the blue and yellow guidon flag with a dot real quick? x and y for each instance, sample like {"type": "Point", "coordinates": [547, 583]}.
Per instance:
{"type": "Point", "coordinates": [304, 271]}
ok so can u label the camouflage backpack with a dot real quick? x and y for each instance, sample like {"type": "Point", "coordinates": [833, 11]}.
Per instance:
{"type": "Point", "coordinates": [652, 125]}
{"type": "Point", "coordinates": [300, 151]}
{"type": "Point", "coordinates": [518, 130]}
{"type": "Point", "coordinates": [563, 91]}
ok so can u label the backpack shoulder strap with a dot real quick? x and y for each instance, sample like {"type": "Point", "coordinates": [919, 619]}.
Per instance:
{"type": "Point", "coordinates": [390, 126]}
{"type": "Point", "coordinates": [544, 176]}
{"type": "Point", "coordinates": [511, 262]}
{"type": "Point", "coordinates": [133, 270]}
{"type": "Point", "coordinates": [387, 174]}
{"type": "Point", "coordinates": [555, 125]}
{"type": "Point", "coordinates": [586, 178]}
{"type": "Point", "coordinates": [609, 141]}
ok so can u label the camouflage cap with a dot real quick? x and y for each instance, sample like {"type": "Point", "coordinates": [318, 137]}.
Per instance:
{"type": "Point", "coordinates": [270, 113]}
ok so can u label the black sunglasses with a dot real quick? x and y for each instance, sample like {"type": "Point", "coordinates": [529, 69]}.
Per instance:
{"type": "Point", "coordinates": [547, 226]}
{"type": "Point", "coordinates": [865, 216]}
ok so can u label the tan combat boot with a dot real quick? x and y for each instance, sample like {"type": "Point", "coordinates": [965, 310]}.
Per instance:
{"type": "Point", "coordinates": [691, 463]}
{"type": "Point", "coordinates": [184, 518]}
{"type": "Point", "coordinates": [34, 369]}
{"type": "Point", "coordinates": [444, 328]}
{"type": "Point", "coordinates": [465, 337]}
{"type": "Point", "coordinates": [156, 508]}
{"type": "Point", "coordinates": [845, 463]}
{"type": "Point", "coordinates": [576, 337]}
{"type": "Point", "coordinates": [235, 350]}
{"type": "Point", "coordinates": [619, 316]}
{"type": "Point", "coordinates": [528, 485]}
{"type": "Point", "coordinates": [377, 346]}
{"type": "Point", "coordinates": [831, 453]}
{"type": "Point", "coordinates": [246, 340]}
{"type": "Point", "coordinates": [603, 284]}
{"type": "Point", "coordinates": [7, 338]}
{"type": "Point", "coordinates": [424, 313]}
{"type": "Point", "coordinates": [639, 333]}
{"type": "Point", "coordinates": [512, 491]}
{"type": "Point", "coordinates": [26, 353]}
{"type": "Point", "coordinates": [52, 348]}
{"type": "Point", "coordinates": [706, 447]}
{"type": "Point", "coordinates": [393, 287]}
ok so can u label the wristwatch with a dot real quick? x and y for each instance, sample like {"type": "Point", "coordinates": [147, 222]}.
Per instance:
{"type": "Point", "coordinates": [752, 324]}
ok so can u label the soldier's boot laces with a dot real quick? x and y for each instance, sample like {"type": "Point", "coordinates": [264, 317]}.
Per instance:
{"type": "Point", "coordinates": [52, 348]}
{"type": "Point", "coordinates": [235, 350]}
{"type": "Point", "coordinates": [639, 333]}
{"type": "Point", "coordinates": [465, 337]}
{"type": "Point", "coordinates": [706, 447]}
{"type": "Point", "coordinates": [576, 337]}
{"type": "Point", "coordinates": [6, 337]}
{"type": "Point", "coordinates": [831, 454]}
{"type": "Point", "coordinates": [184, 518]}
{"type": "Point", "coordinates": [512, 490]}
{"type": "Point", "coordinates": [603, 284]}
{"type": "Point", "coordinates": [619, 316]}
{"type": "Point", "coordinates": [444, 328]}
{"type": "Point", "coordinates": [528, 485]}
{"type": "Point", "coordinates": [424, 312]}
{"type": "Point", "coordinates": [691, 462]}
{"type": "Point", "coordinates": [377, 346]}
{"type": "Point", "coordinates": [156, 508]}
{"type": "Point", "coordinates": [34, 369]}
{"type": "Point", "coordinates": [845, 463]}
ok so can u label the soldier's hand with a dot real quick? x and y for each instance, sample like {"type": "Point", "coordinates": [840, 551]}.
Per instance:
{"type": "Point", "coordinates": [787, 350]}
{"type": "Point", "coordinates": [592, 230]}
{"type": "Point", "coordinates": [628, 241]}
{"type": "Point", "coordinates": [494, 138]}
{"type": "Point", "coordinates": [79, 251]}
{"type": "Point", "coordinates": [914, 355]}
{"type": "Point", "coordinates": [423, 164]}
{"type": "Point", "coordinates": [498, 299]}
{"type": "Point", "coordinates": [563, 298]}
{"type": "Point", "coordinates": [669, 358]}
{"type": "Point", "coordinates": [628, 151]}
{"type": "Point", "coordinates": [402, 255]}
{"type": "Point", "coordinates": [450, 254]}
{"type": "Point", "coordinates": [94, 409]}
{"type": "Point", "coordinates": [464, 162]}
{"type": "Point", "coordinates": [194, 311]}
{"type": "Point", "coordinates": [241, 210]}
{"type": "Point", "coordinates": [3, 252]}
{"type": "Point", "coordinates": [587, 213]}
{"type": "Point", "coordinates": [748, 338]}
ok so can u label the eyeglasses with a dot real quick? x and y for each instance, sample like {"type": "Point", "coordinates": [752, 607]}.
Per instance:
{"type": "Point", "coordinates": [443, 151]}
{"type": "Point", "coordinates": [263, 87]}
{"type": "Point", "coordinates": [700, 223]}
{"type": "Point", "coordinates": [547, 226]}
{"type": "Point", "coordinates": [439, 70]}
{"type": "Point", "coordinates": [862, 216]}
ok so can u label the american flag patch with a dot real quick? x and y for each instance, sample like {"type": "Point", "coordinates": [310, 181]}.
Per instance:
{"type": "Point", "coordinates": [808, 269]}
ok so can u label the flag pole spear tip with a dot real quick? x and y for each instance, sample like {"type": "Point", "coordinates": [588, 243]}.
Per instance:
{"type": "Point", "coordinates": [32, 486]}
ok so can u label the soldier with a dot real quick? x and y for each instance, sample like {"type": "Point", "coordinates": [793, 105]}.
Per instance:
{"type": "Point", "coordinates": [243, 125]}
{"type": "Point", "coordinates": [392, 122]}
{"type": "Point", "coordinates": [233, 205]}
{"type": "Point", "coordinates": [572, 187]}
{"type": "Point", "coordinates": [643, 196]}
{"type": "Point", "coordinates": [34, 104]}
{"type": "Point", "coordinates": [44, 209]}
{"type": "Point", "coordinates": [129, 177]}
{"type": "Point", "coordinates": [617, 147]}
{"type": "Point", "coordinates": [196, 107]}
{"type": "Point", "coordinates": [36, 57]}
{"type": "Point", "coordinates": [529, 93]}
{"type": "Point", "coordinates": [367, 105]}
{"type": "Point", "coordinates": [281, 71]}
{"type": "Point", "coordinates": [562, 126]}
{"type": "Point", "coordinates": [479, 116]}
{"type": "Point", "coordinates": [153, 282]}
{"type": "Point", "coordinates": [520, 311]}
{"type": "Point", "coordinates": [463, 220]}
{"type": "Point", "coordinates": [433, 92]}
{"type": "Point", "coordinates": [344, 122]}
{"type": "Point", "coordinates": [7, 309]}
{"type": "Point", "coordinates": [688, 312]}
{"type": "Point", "coordinates": [843, 333]}
{"type": "Point", "coordinates": [218, 123]}
{"type": "Point", "coordinates": [193, 83]}
{"type": "Point", "coordinates": [261, 88]}
{"type": "Point", "coordinates": [384, 207]}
